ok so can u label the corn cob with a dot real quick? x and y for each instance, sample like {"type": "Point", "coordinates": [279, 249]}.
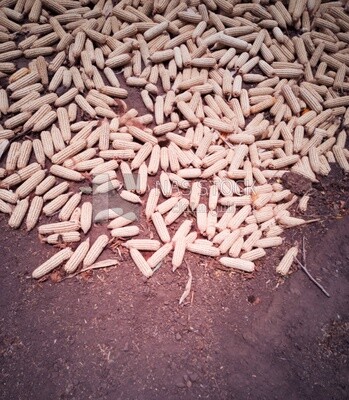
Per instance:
{"type": "Point", "coordinates": [160, 227]}
{"type": "Point", "coordinates": [269, 242]}
{"type": "Point", "coordinates": [65, 237]}
{"type": "Point", "coordinates": [56, 204]}
{"type": "Point", "coordinates": [39, 152]}
{"type": "Point", "coordinates": [95, 250]}
{"type": "Point", "coordinates": [77, 257]}
{"type": "Point", "coordinates": [69, 207]}
{"type": "Point", "coordinates": [287, 260]}
{"type": "Point", "coordinates": [5, 207]}
{"type": "Point", "coordinates": [125, 231]}
{"type": "Point", "coordinates": [66, 173]}
{"type": "Point", "coordinates": [20, 176]}
{"type": "Point", "coordinates": [18, 214]}
{"type": "Point", "coordinates": [8, 196]}
{"type": "Point", "coordinates": [122, 221]}
{"type": "Point", "coordinates": [237, 263]}
{"type": "Point", "coordinates": [140, 262]}
{"type": "Point", "coordinates": [202, 249]}
{"type": "Point", "coordinates": [68, 152]}
{"type": "Point", "coordinates": [24, 154]}
{"type": "Point", "coordinates": [30, 184]}
{"type": "Point", "coordinates": [177, 211]}
{"type": "Point", "coordinates": [55, 191]}
{"type": "Point", "coordinates": [159, 255]}
{"type": "Point", "coordinates": [12, 156]}
{"type": "Point", "coordinates": [34, 212]}
{"type": "Point", "coordinates": [52, 263]}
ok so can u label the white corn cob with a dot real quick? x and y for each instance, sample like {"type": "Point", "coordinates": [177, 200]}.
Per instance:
{"type": "Point", "coordinates": [52, 263]}
{"type": "Point", "coordinates": [253, 255]}
{"type": "Point", "coordinates": [30, 184]}
{"type": "Point", "coordinates": [131, 197]}
{"type": "Point", "coordinates": [287, 260]}
{"type": "Point", "coordinates": [66, 173]}
{"type": "Point", "coordinates": [152, 202]}
{"type": "Point", "coordinates": [20, 175]}
{"type": "Point", "coordinates": [108, 186]}
{"type": "Point", "coordinates": [122, 221]}
{"type": "Point", "coordinates": [8, 196]}
{"type": "Point", "coordinates": [229, 240]}
{"type": "Point", "coordinates": [55, 191]}
{"type": "Point", "coordinates": [143, 244]}
{"type": "Point", "coordinates": [68, 152]}
{"type": "Point", "coordinates": [69, 207]}
{"type": "Point", "coordinates": [176, 211]}
{"type": "Point", "coordinates": [183, 230]}
{"type": "Point", "coordinates": [65, 237]}
{"type": "Point", "coordinates": [24, 154]}
{"type": "Point", "coordinates": [179, 252]}
{"type": "Point", "coordinates": [160, 227]}
{"type": "Point", "coordinates": [77, 257]}
{"type": "Point", "coordinates": [204, 250]}
{"type": "Point", "coordinates": [125, 231]}
{"type": "Point", "coordinates": [34, 212]}
{"type": "Point", "coordinates": [140, 262]}
{"type": "Point", "coordinates": [56, 204]}
{"type": "Point", "coordinates": [86, 216]}
{"type": "Point", "coordinates": [18, 213]}
{"type": "Point", "coordinates": [95, 250]}
{"type": "Point", "coordinates": [269, 242]}
{"type": "Point", "coordinates": [159, 255]}
{"type": "Point", "coordinates": [237, 263]}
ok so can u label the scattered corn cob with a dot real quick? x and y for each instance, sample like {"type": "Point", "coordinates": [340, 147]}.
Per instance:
{"type": "Point", "coordinates": [52, 263]}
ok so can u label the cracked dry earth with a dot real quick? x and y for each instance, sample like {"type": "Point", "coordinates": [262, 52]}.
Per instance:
{"type": "Point", "coordinates": [111, 335]}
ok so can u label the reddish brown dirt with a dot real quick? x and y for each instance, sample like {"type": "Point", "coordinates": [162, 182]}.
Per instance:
{"type": "Point", "coordinates": [111, 335]}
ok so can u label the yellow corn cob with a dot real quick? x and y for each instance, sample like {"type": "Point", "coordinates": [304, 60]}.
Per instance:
{"type": "Point", "coordinates": [52, 263]}
{"type": "Point", "coordinates": [34, 212]}
{"type": "Point", "coordinates": [18, 214]}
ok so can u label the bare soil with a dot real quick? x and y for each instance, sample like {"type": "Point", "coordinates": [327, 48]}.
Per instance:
{"type": "Point", "coordinates": [112, 335]}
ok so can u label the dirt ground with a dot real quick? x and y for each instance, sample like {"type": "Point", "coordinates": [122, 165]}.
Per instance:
{"type": "Point", "coordinates": [112, 335]}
